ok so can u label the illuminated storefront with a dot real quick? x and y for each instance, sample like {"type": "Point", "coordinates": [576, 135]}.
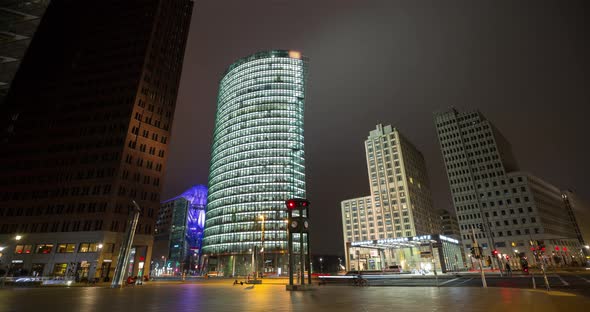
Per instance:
{"type": "Point", "coordinates": [418, 255]}
{"type": "Point", "coordinates": [257, 162]}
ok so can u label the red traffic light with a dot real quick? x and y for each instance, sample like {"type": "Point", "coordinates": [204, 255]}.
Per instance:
{"type": "Point", "coordinates": [557, 248]}
{"type": "Point", "coordinates": [295, 203]}
{"type": "Point", "coordinates": [495, 252]}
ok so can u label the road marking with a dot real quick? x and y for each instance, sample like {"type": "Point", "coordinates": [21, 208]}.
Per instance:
{"type": "Point", "coordinates": [553, 293]}
{"type": "Point", "coordinates": [585, 279]}
{"type": "Point", "coordinates": [448, 281]}
{"type": "Point", "coordinates": [562, 281]}
{"type": "Point", "coordinates": [463, 282]}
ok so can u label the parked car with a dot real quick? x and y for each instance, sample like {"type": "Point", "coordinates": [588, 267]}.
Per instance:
{"type": "Point", "coordinates": [394, 269]}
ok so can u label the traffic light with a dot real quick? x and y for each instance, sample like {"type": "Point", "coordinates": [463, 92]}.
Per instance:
{"type": "Point", "coordinates": [476, 252]}
{"type": "Point", "coordinates": [495, 252]}
{"type": "Point", "coordinates": [297, 203]}
{"type": "Point", "coordinates": [541, 245]}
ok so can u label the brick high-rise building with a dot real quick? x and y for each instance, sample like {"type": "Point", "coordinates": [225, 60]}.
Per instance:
{"type": "Point", "coordinates": [85, 130]}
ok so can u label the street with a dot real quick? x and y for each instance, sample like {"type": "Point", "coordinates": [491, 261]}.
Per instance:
{"type": "Point", "coordinates": [221, 295]}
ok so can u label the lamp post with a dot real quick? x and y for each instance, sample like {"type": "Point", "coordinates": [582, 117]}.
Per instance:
{"type": "Point", "coordinates": [96, 268]}
{"type": "Point", "coordinates": [321, 265]}
{"type": "Point", "coordinates": [9, 265]}
{"type": "Point", "coordinates": [262, 250]}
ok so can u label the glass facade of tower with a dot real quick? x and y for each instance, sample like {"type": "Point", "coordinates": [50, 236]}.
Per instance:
{"type": "Point", "coordinates": [257, 159]}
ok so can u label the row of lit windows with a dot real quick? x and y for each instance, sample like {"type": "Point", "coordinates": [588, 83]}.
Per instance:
{"type": "Point", "coordinates": [245, 231]}
{"type": "Point", "coordinates": [272, 209]}
{"type": "Point", "coordinates": [245, 181]}
{"type": "Point", "coordinates": [261, 79]}
{"type": "Point", "coordinates": [62, 248]}
{"type": "Point", "coordinates": [253, 186]}
{"type": "Point", "coordinates": [259, 102]}
{"type": "Point", "coordinates": [265, 89]}
{"type": "Point", "coordinates": [256, 156]}
{"type": "Point", "coordinates": [263, 162]}
{"type": "Point", "coordinates": [249, 67]}
{"type": "Point", "coordinates": [273, 170]}
{"type": "Point", "coordinates": [253, 139]}
{"type": "Point", "coordinates": [289, 98]}
{"type": "Point", "coordinates": [274, 94]}
{"type": "Point", "coordinates": [260, 109]}
{"type": "Point", "coordinates": [249, 189]}
{"type": "Point", "coordinates": [252, 199]}
{"type": "Point", "coordinates": [280, 118]}
{"type": "Point", "coordinates": [256, 140]}
{"type": "Point", "coordinates": [251, 71]}
{"type": "Point", "coordinates": [243, 247]}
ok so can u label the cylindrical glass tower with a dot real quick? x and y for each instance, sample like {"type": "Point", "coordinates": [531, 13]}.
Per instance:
{"type": "Point", "coordinates": [257, 162]}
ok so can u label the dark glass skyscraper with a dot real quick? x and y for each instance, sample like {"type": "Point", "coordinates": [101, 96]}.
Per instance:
{"type": "Point", "coordinates": [257, 161]}
{"type": "Point", "coordinates": [85, 130]}
{"type": "Point", "coordinates": [18, 22]}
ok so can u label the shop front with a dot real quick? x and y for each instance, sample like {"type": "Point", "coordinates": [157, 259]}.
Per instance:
{"type": "Point", "coordinates": [415, 255]}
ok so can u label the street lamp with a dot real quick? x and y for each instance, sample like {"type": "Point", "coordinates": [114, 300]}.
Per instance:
{"type": "Point", "coordinates": [262, 238]}
{"type": "Point", "coordinates": [321, 265]}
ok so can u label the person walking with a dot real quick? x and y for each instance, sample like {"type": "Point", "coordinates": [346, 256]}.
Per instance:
{"type": "Point", "coordinates": [508, 269]}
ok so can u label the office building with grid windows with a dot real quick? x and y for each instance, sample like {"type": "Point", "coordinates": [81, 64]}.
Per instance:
{"type": "Point", "coordinates": [257, 162]}
{"type": "Point", "coordinates": [504, 207]}
{"type": "Point", "coordinates": [85, 131]}
{"type": "Point", "coordinates": [400, 203]}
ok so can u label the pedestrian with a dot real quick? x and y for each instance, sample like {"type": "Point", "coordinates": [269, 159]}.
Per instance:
{"type": "Point", "coordinates": [508, 269]}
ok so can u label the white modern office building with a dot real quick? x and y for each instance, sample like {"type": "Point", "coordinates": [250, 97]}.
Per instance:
{"type": "Point", "coordinates": [506, 209]}
{"type": "Point", "coordinates": [257, 162]}
{"type": "Point", "coordinates": [400, 203]}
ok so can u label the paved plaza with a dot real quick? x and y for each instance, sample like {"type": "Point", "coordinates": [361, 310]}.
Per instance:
{"type": "Point", "coordinates": [221, 295]}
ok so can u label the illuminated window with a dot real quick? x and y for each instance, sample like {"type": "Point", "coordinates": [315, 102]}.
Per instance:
{"type": "Point", "coordinates": [66, 248]}
{"type": "Point", "coordinates": [44, 248]}
{"type": "Point", "coordinates": [88, 247]}
{"type": "Point", "coordinates": [23, 249]}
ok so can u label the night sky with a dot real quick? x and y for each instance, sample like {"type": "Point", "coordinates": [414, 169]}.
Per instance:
{"type": "Point", "coordinates": [523, 64]}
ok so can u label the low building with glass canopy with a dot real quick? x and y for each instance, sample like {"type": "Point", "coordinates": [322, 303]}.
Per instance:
{"type": "Point", "coordinates": [418, 254]}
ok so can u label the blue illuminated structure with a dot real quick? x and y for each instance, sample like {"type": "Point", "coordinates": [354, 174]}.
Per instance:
{"type": "Point", "coordinates": [179, 232]}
